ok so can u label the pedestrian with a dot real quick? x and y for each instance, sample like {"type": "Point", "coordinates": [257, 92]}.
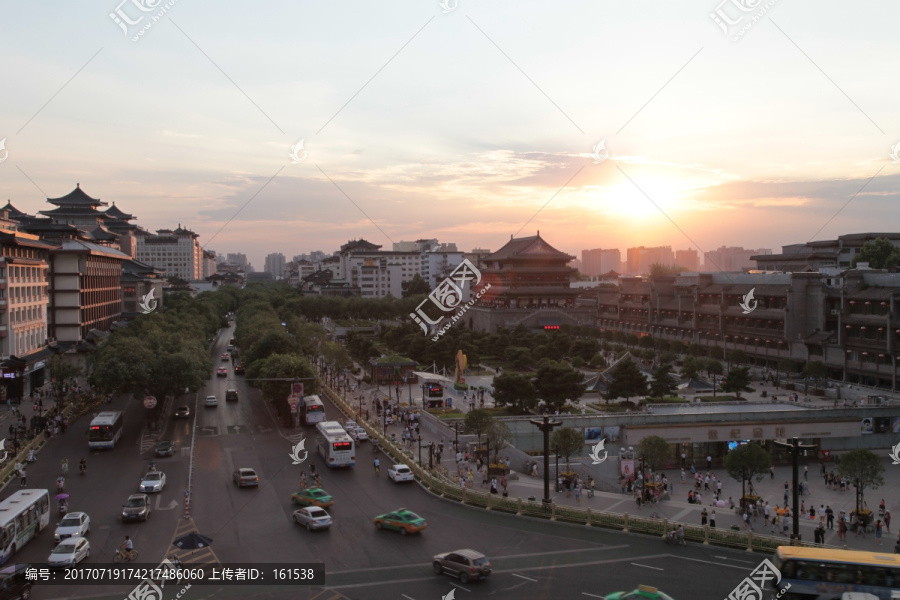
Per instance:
{"type": "Point", "coordinates": [682, 474]}
{"type": "Point", "coordinates": [747, 524]}
{"type": "Point", "coordinates": [23, 478]}
{"type": "Point", "coordinates": [878, 531]}
{"type": "Point", "coordinates": [709, 461]}
{"type": "Point", "coordinates": [712, 519]}
{"type": "Point", "coordinates": [303, 480]}
{"type": "Point", "coordinates": [683, 460]}
{"type": "Point", "coordinates": [842, 529]}
{"type": "Point", "coordinates": [704, 517]}
{"type": "Point", "coordinates": [785, 524]}
{"type": "Point", "coordinates": [887, 521]}
{"type": "Point", "coordinates": [805, 473]}
{"type": "Point", "coordinates": [494, 485]}
{"type": "Point", "coordinates": [578, 494]}
{"type": "Point", "coordinates": [772, 471]}
{"type": "Point", "coordinates": [829, 517]}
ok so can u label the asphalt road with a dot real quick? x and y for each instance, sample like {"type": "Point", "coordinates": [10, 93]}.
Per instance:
{"type": "Point", "coordinates": [533, 559]}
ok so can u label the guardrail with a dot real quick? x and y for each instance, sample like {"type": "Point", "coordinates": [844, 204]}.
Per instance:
{"type": "Point", "coordinates": [446, 488]}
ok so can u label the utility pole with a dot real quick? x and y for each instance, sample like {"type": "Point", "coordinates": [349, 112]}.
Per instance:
{"type": "Point", "coordinates": [545, 425]}
{"type": "Point", "coordinates": [795, 447]}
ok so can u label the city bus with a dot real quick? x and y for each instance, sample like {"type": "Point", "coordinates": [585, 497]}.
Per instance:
{"type": "Point", "coordinates": [312, 410]}
{"type": "Point", "coordinates": [336, 447]}
{"type": "Point", "coordinates": [105, 430]}
{"type": "Point", "coordinates": [22, 516]}
{"type": "Point", "coordinates": [823, 573]}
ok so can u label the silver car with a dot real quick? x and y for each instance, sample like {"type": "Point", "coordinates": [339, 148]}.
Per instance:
{"type": "Point", "coordinates": [137, 508]}
{"type": "Point", "coordinates": [466, 564]}
{"type": "Point", "coordinates": [74, 524]}
{"type": "Point", "coordinates": [312, 517]}
{"type": "Point", "coordinates": [70, 551]}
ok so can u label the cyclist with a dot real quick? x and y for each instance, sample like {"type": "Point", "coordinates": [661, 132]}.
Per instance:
{"type": "Point", "coordinates": [377, 466]}
{"type": "Point", "coordinates": [65, 466]}
{"type": "Point", "coordinates": [127, 548]}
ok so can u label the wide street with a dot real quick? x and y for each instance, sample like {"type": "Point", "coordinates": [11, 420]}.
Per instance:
{"type": "Point", "coordinates": [532, 558]}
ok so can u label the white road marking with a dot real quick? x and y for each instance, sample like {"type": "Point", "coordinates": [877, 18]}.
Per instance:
{"type": "Point", "coordinates": [523, 577]}
{"type": "Point", "coordinates": [407, 597]}
{"type": "Point", "coordinates": [172, 504]}
{"type": "Point", "coordinates": [456, 585]}
{"type": "Point", "coordinates": [593, 595]}
{"type": "Point", "coordinates": [746, 562]}
{"type": "Point", "coordinates": [648, 567]}
{"type": "Point", "coordinates": [709, 562]}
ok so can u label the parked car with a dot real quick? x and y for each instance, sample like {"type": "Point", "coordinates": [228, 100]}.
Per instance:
{"type": "Point", "coordinates": [402, 520]}
{"type": "Point", "coordinates": [211, 401]}
{"type": "Point", "coordinates": [182, 412]}
{"type": "Point", "coordinates": [14, 584]}
{"type": "Point", "coordinates": [153, 481]}
{"type": "Point", "coordinates": [165, 448]}
{"type": "Point", "coordinates": [221, 372]}
{"type": "Point", "coordinates": [70, 551]}
{"type": "Point", "coordinates": [398, 473]}
{"type": "Point", "coordinates": [239, 369]}
{"type": "Point", "coordinates": [74, 524]}
{"type": "Point", "coordinates": [245, 477]}
{"type": "Point", "coordinates": [231, 396]}
{"type": "Point", "coordinates": [312, 517]}
{"type": "Point", "coordinates": [312, 497]}
{"type": "Point", "coordinates": [137, 508]}
{"type": "Point", "coordinates": [466, 564]}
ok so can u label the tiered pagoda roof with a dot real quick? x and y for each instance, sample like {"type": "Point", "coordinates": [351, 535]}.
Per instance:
{"type": "Point", "coordinates": [76, 198]}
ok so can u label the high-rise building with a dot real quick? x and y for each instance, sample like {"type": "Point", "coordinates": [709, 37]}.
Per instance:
{"type": "Point", "coordinates": [177, 253]}
{"type": "Point", "coordinates": [210, 266]}
{"type": "Point", "coordinates": [600, 261]}
{"type": "Point", "coordinates": [641, 258]}
{"type": "Point", "coordinates": [238, 259]}
{"type": "Point", "coordinates": [275, 265]}
{"type": "Point", "coordinates": [689, 259]}
{"type": "Point", "coordinates": [732, 258]}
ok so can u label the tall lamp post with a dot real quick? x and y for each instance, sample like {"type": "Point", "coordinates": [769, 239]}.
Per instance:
{"type": "Point", "coordinates": [545, 425]}
{"type": "Point", "coordinates": [419, 439]}
{"type": "Point", "coordinates": [795, 447]}
{"type": "Point", "coordinates": [456, 434]}
{"type": "Point", "coordinates": [431, 456]}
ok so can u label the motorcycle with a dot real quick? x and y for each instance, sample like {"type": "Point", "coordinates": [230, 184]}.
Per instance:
{"type": "Point", "coordinates": [673, 538]}
{"type": "Point", "coordinates": [63, 509]}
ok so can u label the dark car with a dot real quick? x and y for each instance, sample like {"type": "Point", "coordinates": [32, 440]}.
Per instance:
{"type": "Point", "coordinates": [239, 369]}
{"type": "Point", "coordinates": [165, 448]}
{"type": "Point", "coordinates": [465, 564]}
{"type": "Point", "coordinates": [13, 585]}
{"type": "Point", "coordinates": [222, 372]}
{"type": "Point", "coordinates": [182, 412]}
{"type": "Point", "coordinates": [231, 395]}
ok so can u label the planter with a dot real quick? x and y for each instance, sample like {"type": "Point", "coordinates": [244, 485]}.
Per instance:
{"type": "Point", "coordinates": [497, 471]}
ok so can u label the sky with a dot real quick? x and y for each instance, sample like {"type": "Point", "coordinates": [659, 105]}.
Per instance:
{"type": "Point", "coordinates": [601, 124]}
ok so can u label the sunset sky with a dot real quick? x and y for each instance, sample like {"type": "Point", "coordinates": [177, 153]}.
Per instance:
{"type": "Point", "coordinates": [466, 126]}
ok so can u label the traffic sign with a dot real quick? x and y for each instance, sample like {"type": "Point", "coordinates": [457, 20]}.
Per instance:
{"type": "Point", "coordinates": [149, 402]}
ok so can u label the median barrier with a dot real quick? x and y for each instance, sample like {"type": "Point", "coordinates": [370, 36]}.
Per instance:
{"type": "Point", "coordinates": [448, 488]}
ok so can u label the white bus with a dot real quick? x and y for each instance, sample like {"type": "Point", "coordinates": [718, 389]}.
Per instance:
{"type": "Point", "coordinates": [336, 447]}
{"type": "Point", "coordinates": [22, 516]}
{"type": "Point", "coordinates": [105, 430]}
{"type": "Point", "coordinates": [312, 410]}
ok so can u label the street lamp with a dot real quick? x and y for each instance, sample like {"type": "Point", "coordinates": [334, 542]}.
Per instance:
{"type": "Point", "coordinates": [456, 434]}
{"type": "Point", "coordinates": [545, 425]}
{"type": "Point", "coordinates": [795, 447]}
{"type": "Point", "coordinates": [431, 456]}
{"type": "Point", "coordinates": [419, 439]}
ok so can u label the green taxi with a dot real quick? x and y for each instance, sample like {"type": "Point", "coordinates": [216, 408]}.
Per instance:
{"type": "Point", "coordinates": [643, 592]}
{"type": "Point", "coordinates": [312, 497]}
{"type": "Point", "coordinates": [402, 520]}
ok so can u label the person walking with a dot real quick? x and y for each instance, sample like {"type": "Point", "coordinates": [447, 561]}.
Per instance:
{"type": "Point", "coordinates": [712, 519]}
{"type": "Point", "coordinates": [772, 472]}
{"type": "Point", "coordinates": [805, 473]}
{"type": "Point", "coordinates": [842, 529]}
{"type": "Point", "coordinates": [879, 531]}
{"type": "Point", "coordinates": [704, 517]}
{"type": "Point", "coordinates": [23, 477]}
{"type": "Point", "coordinates": [377, 467]}
{"type": "Point", "coordinates": [887, 521]}
{"type": "Point", "coordinates": [708, 461]}
{"type": "Point", "coordinates": [578, 493]}
{"type": "Point", "coordinates": [829, 517]}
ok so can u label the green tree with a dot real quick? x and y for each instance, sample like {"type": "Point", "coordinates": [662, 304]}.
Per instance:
{"type": "Point", "coordinates": [713, 369]}
{"type": "Point", "coordinates": [787, 366]}
{"type": "Point", "coordinates": [598, 360]}
{"type": "Point", "coordinates": [499, 437]}
{"type": "Point", "coordinates": [880, 253]}
{"type": "Point", "coordinates": [691, 367]}
{"type": "Point", "coordinates": [282, 366]}
{"type": "Point", "coordinates": [662, 384]}
{"type": "Point", "coordinates": [864, 469]}
{"type": "Point", "coordinates": [738, 357]}
{"type": "Point", "coordinates": [557, 382]}
{"type": "Point", "coordinates": [62, 374]}
{"type": "Point", "coordinates": [658, 270]}
{"type": "Point", "coordinates": [276, 341]}
{"type": "Point", "coordinates": [655, 451]}
{"type": "Point", "coordinates": [817, 370]}
{"type": "Point", "coordinates": [746, 462]}
{"type": "Point", "coordinates": [518, 356]}
{"type": "Point", "coordinates": [516, 390]}
{"type": "Point", "coordinates": [567, 442]}
{"type": "Point", "coordinates": [737, 381]}
{"type": "Point", "coordinates": [417, 287]}
{"type": "Point", "coordinates": [478, 421]}
{"type": "Point", "coordinates": [626, 380]}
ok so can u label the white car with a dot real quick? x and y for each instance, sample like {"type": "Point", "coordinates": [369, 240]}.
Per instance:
{"type": "Point", "coordinates": [70, 551]}
{"type": "Point", "coordinates": [312, 517]}
{"type": "Point", "coordinates": [74, 524]}
{"type": "Point", "coordinates": [153, 481]}
{"type": "Point", "coordinates": [360, 434]}
{"type": "Point", "coordinates": [399, 473]}
{"type": "Point", "coordinates": [350, 425]}
{"type": "Point", "coordinates": [212, 401]}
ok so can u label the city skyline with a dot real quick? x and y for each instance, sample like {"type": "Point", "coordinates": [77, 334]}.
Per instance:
{"type": "Point", "coordinates": [457, 126]}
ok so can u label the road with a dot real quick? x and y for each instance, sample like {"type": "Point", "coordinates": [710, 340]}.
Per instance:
{"type": "Point", "coordinates": [533, 559]}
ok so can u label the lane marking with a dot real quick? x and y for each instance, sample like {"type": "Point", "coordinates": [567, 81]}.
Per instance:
{"type": "Point", "coordinates": [709, 562]}
{"type": "Point", "coordinates": [593, 595]}
{"type": "Point", "coordinates": [523, 577]}
{"type": "Point", "coordinates": [746, 562]}
{"type": "Point", "coordinates": [456, 585]}
{"type": "Point", "coordinates": [648, 567]}
{"type": "Point", "coordinates": [407, 597]}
